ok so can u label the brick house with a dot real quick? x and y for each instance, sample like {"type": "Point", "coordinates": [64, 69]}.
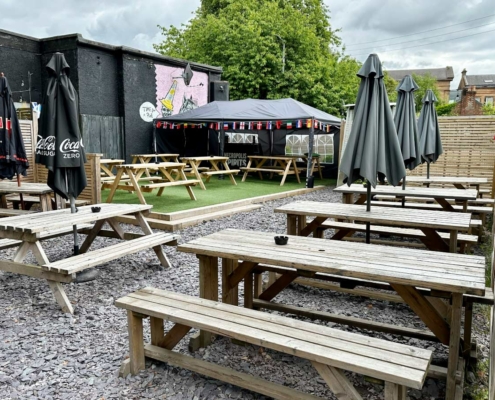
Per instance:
{"type": "Point", "coordinates": [484, 86]}
{"type": "Point", "coordinates": [444, 77]}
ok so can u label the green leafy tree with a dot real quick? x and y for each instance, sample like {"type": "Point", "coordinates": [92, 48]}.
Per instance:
{"type": "Point", "coordinates": [488, 109]}
{"type": "Point", "coordinates": [245, 37]}
{"type": "Point", "coordinates": [425, 82]}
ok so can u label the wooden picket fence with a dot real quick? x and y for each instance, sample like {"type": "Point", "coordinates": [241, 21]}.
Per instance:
{"type": "Point", "coordinates": [469, 148]}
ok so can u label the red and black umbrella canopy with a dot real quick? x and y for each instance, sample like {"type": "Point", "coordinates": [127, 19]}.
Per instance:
{"type": "Point", "coordinates": [13, 160]}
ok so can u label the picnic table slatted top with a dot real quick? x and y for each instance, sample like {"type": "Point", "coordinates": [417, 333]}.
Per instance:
{"type": "Point", "coordinates": [448, 179]}
{"type": "Point", "coordinates": [156, 155]}
{"type": "Point", "coordinates": [206, 158]}
{"type": "Point", "coordinates": [289, 156]}
{"type": "Point", "coordinates": [111, 161]}
{"type": "Point", "coordinates": [456, 273]}
{"type": "Point", "coordinates": [38, 223]}
{"type": "Point", "coordinates": [26, 187]}
{"type": "Point", "coordinates": [380, 215]}
{"type": "Point", "coordinates": [445, 193]}
{"type": "Point", "coordinates": [152, 165]}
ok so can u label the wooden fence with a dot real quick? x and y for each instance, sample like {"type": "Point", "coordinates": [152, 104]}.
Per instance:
{"type": "Point", "coordinates": [39, 173]}
{"type": "Point", "coordinates": [469, 148]}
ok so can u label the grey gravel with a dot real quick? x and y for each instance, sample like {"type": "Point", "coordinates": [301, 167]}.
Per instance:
{"type": "Point", "coordinates": [45, 354]}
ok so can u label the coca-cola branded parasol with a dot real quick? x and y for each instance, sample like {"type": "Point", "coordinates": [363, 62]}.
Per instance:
{"type": "Point", "coordinates": [59, 145]}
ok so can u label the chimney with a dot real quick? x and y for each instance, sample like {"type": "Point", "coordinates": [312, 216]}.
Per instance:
{"type": "Point", "coordinates": [463, 82]}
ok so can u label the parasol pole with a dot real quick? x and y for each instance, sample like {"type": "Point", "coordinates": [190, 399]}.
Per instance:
{"type": "Point", "coordinates": [20, 194]}
{"type": "Point", "coordinates": [404, 188]}
{"type": "Point", "coordinates": [368, 208]}
{"type": "Point", "coordinates": [427, 170]}
{"type": "Point", "coordinates": [310, 155]}
{"type": "Point", "coordinates": [73, 210]}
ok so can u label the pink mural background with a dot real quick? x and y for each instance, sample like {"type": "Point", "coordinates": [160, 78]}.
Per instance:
{"type": "Point", "coordinates": [183, 97]}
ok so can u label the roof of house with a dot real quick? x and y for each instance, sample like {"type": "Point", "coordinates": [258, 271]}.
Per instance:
{"type": "Point", "coordinates": [441, 74]}
{"type": "Point", "coordinates": [480, 80]}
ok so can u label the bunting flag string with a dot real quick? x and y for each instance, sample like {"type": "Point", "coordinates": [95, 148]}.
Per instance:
{"type": "Point", "coordinates": [251, 125]}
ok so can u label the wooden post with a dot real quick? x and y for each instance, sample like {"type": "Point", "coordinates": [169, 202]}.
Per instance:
{"type": "Point", "coordinates": [136, 344]}
{"type": "Point", "coordinates": [455, 336]}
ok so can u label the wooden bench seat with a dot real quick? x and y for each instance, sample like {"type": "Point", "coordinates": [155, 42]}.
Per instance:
{"type": "Point", "coordinates": [84, 261]}
{"type": "Point", "coordinates": [389, 230]}
{"type": "Point", "coordinates": [471, 209]}
{"type": "Point", "coordinates": [224, 172]}
{"type": "Point", "coordinates": [329, 350]}
{"type": "Point", "coordinates": [478, 202]}
{"type": "Point", "coordinates": [8, 243]}
{"type": "Point", "coordinates": [29, 201]}
{"type": "Point", "coordinates": [190, 182]}
{"type": "Point", "coordinates": [271, 170]}
{"type": "Point", "coordinates": [9, 212]}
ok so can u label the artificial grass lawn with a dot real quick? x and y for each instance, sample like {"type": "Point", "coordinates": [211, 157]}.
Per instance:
{"type": "Point", "coordinates": [217, 191]}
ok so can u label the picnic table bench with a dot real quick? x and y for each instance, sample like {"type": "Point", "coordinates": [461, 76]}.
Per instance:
{"type": "Point", "coordinates": [243, 253]}
{"type": "Point", "coordinates": [216, 163]}
{"type": "Point", "coordinates": [39, 190]}
{"type": "Point", "coordinates": [429, 223]}
{"type": "Point", "coordinates": [29, 230]}
{"type": "Point", "coordinates": [134, 172]}
{"type": "Point", "coordinates": [329, 350]}
{"type": "Point", "coordinates": [281, 165]}
{"type": "Point", "coordinates": [440, 195]}
{"type": "Point", "coordinates": [459, 182]}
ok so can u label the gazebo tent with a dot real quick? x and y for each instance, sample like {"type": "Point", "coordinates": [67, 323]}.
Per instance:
{"type": "Point", "coordinates": [202, 131]}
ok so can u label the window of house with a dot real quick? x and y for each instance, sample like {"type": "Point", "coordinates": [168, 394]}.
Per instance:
{"type": "Point", "coordinates": [299, 144]}
{"type": "Point", "coordinates": [489, 100]}
{"type": "Point", "coordinates": [478, 99]}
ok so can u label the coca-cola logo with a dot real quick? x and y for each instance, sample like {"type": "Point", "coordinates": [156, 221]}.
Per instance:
{"type": "Point", "coordinates": [70, 147]}
{"type": "Point", "coordinates": [46, 144]}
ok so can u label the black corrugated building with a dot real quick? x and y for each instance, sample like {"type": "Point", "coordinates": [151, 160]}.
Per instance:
{"type": "Point", "coordinates": [120, 88]}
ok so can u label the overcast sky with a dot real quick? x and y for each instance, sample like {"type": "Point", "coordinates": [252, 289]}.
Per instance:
{"type": "Point", "coordinates": [134, 23]}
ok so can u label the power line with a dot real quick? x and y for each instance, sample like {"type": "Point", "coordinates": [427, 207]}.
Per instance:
{"type": "Point", "coordinates": [430, 37]}
{"type": "Point", "coordinates": [417, 33]}
{"type": "Point", "coordinates": [426, 44]}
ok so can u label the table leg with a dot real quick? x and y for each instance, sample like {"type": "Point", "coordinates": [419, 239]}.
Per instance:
{"type": "Point", "coordinates": [146, 170]}
{"type": "Point", "coordinates": [319, 167]}
{"type": "Point", "coordinates": [292, 224]}
{"type": "Point", "coordinates": [45, 202]}
{"type": "Point", "coordinates": [195, 169]}
{"type": "Point", "coordinates": [189, 188]}
{"type": "Point", "coordinates": [445, 204]}
{"type": "Point", "coordinates": [230, 295]}
{"type": "Point", "coordinates": [245, 172]}
{"type": "Point", "coordinates": [115, 184]}
{"type": "Point", "coordinates": [92, 235]}
{"type": "Point", "coordinates": [231, 176]}
{"type": "Point", "coordinates": [434, 242]}
{"type": "Point", "coordinates": [468, 325]}
{"type": "Point", "coordinates": [286, 171]}
{"type": "Point", "coordinates": [296, 171]}
{"type": "Point", "coordinates": [136, 342]}
{"type": "Point", "coordinates": [453, 241]}
{"type": "Point", "coordinates": [455, 335]}
{"type": "Point", "coordinates": [135, 185]}
{"type": "Point", "coordinates": [208, 289]}
{"type": "Point", "coordinates": [148, 231]}
{"type": "Point", "coordinates": [459, 186]}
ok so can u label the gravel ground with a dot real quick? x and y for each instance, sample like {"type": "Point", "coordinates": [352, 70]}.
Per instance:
{"type": "Point", "coordinates": [45, 354]}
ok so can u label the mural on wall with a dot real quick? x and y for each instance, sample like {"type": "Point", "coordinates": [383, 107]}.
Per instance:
{"type": "Point", "coordinates": [172, 94]}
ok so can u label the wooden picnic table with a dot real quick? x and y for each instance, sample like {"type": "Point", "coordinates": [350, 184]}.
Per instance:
{"type": "Point", "coordinates": [457, 181]}
{"type": "Point", "coordinates": [280, 165]}
{"type": "Point", "coordinates": [429, 222]}
{"type": "Point", "coordinates": [30, 230]}
{"type": "Point", "coordinates": [134, 173]}
{"type": "Point", "coordinates": [410, 272]}
{"type": "Point", "coordinates": [147, 158]}
{"type": "Point", "coordinates": [440, 195]}
{"type": "Point", "coordinates": [41, 190]}
{"type": "Point", "coordinates": [195, 163]}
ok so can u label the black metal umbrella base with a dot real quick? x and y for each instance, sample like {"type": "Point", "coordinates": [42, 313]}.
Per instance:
{"type": "Point", "coordinates": [86, 276]}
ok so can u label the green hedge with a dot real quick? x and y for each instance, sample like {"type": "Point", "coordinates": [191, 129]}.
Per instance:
{"type": "Point", "coordinates": [446, 109]}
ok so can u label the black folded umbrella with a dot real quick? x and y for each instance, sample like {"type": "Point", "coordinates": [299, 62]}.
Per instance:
{"type": "Point", "coordinates": [59, 145]}
{"type": "Point", "coordinates": [407, 126]}
{"type": "Point", "coordinates": [373, 148]}
{"type": "Point", "coordinates": [429, 131]}
{"type": "Point", "coordinates": [13, 160]}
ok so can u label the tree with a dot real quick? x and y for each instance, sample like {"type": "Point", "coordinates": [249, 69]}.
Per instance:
{"type": "Point", "coordinates": [425, 82]}
{"type": "Point", "coordinates": [245, 37]}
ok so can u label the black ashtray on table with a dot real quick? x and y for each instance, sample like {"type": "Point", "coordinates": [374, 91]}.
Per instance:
{"type": "Point", "coordinates": [96, 209]}
{"type": "Point", "coordinates": [281, 240]}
